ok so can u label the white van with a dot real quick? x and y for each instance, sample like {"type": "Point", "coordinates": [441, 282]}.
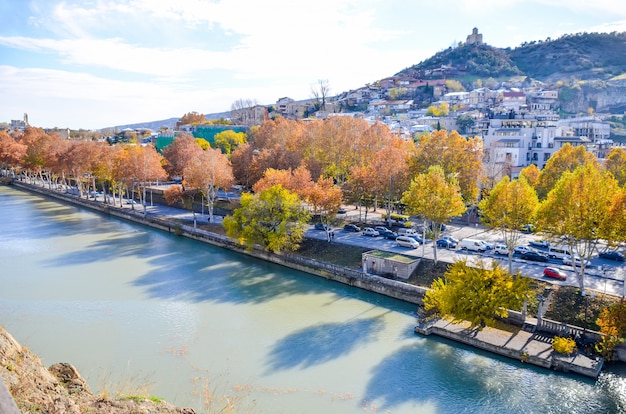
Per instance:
{"type": "Point", "coordinates": [474, 245]}
{"type": "Point", "coordinates": [558, 252]}
{"type": "Point", "coordinates": [405, 231]}
{"type": "Point", "coordinates": [404, 241]}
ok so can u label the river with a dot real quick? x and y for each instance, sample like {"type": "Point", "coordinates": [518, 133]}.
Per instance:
{"type": "Point", "coordinates": [142, 311]}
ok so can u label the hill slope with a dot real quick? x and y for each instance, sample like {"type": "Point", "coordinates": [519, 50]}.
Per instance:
{"type": "Point", "coordinates": [579, 56]}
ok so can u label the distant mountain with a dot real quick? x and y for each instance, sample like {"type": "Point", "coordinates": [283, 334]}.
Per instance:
{"type": "Point", "coordinates": [168, 123]}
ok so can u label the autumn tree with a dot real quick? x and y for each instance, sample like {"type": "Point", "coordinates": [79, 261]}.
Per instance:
{"type": "Point", "coordinates": [297, 181]}
{"type": "Point", "coordinates": [612, 323]}
{"type": "Point", "coordinates": [567, 158]}
{"type": "Point", "coordinates": [273, 218]}
{"type": "Point", "coordinates": [11, 152]}
{"type": "Point", "coordinates": [41, 151]}
{"type": "Point", "coordinates": [178, 153]}
{"type": "Point", "coordinates": [508, 207]}
{"type": "Point", "coordinates": [531, 175]}
{"type": "Point", "coordinates": [616, 164]}
{"type": "Point", "coordinates": [576, 209]}
{"type": "Point", "coordinates": [208, 171]}
{"type": "Point", "coordinates": [191, 118]}
{"type": "Point", "coordinates": [361, 189]}
{"type": "Point", "coordinates": [390, 170]}
{"type": "Point", "coordinates": [479, 295]}
{"type": "Point", "coordinates": [458, 156]}
{"type": "Point", "coordinates": [434, 197]}
{"type": "Point", "coordinates": [614, 225]}
{"type": "Point", "coordinates": [228, 141]}
{"type": "Point", "coordinates": [325, 199]}
{"type": "Point", "coordinates": [443, 109]}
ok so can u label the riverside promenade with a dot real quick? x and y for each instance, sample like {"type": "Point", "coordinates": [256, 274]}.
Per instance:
{"type": "Point", "coordinates": [520, 344]}
{"type": "Point", "coordinates": [523, 344]}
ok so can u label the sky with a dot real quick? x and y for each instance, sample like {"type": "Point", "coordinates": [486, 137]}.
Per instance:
{"type": "Point", "coordinates": [93, 64]}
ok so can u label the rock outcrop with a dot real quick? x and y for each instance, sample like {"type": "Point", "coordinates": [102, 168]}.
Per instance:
{"type": "Point", "coordinates": [60, 388]}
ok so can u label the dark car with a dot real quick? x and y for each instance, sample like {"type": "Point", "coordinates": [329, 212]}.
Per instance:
{"type": "Point", "coordinates": [528, 228]}
{"type": "Point", "coordinates": [539, 243]}
{"type": "Point", "coordinates": [416, 238]}
{"type": "Point", "coordinates": [554, 273]}
{"type": "Point", "coordinates": [446, 243]}
{"type": "Point", "coordinates": [613, 255]}
{"type": "Point", "coordinates": [534, 256]}
{"type": "Point", "coordinates": [388, 234]}
{"type": "Point", "coordinates": [352, 228]}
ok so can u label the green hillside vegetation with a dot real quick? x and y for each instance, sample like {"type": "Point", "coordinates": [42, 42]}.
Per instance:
{"type": "Point", "coordinates": [581, 56]}
{"type": "Point", "coordinates": [479, 60]}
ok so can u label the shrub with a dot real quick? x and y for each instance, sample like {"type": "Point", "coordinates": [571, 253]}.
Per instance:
{"type": "Point", "coordinates": [565, 346]}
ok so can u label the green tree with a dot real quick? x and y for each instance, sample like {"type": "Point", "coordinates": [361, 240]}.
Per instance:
{"type": "Point", "coordinates": [479, 295]}
{"type": "Point", "coordinates": [434, 198]}
{"type": "Point", "coordinates": [577, 208]}
{"type": "Point", "coordinates": [509, 206]}
{"type": "Point", "coordinates": [229, 140]}
{"type": "Point", "coordinates": [273, 218]}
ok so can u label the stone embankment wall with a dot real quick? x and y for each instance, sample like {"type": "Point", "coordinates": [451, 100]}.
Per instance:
{"type": "Point", "coordinates": [398, 290]}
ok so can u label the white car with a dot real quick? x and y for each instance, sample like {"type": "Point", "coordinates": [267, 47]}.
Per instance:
{"type": "Point", "coordinates": [368, 231]}
{"type": "Point", "coordinates": [567, 260]}
{"type": "Point", "coordinates": [522, 249]}
{"type": "Point", "coordinates": [501, 249]}
{"type": "Point", "coordinates": [488, 245]}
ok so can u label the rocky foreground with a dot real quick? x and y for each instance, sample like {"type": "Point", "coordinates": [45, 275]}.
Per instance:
{"type": "Point", "coordinates": [60, 388]}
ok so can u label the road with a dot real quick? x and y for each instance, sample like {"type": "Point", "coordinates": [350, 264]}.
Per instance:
{"type": "Point", "coordinates": [602, 276]}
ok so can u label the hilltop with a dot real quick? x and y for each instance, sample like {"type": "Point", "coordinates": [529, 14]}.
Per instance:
{"type": "Point", "coordinates": [581, 56]}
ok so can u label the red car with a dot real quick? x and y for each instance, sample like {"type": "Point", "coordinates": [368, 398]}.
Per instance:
{"type": "Point", "coordinates": [554, 273]}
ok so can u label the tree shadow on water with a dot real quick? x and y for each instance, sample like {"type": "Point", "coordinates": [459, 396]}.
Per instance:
{"type": "Point", "coordinates": [322, 343]}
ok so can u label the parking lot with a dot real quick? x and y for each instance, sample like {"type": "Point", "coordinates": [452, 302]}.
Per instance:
{"type": "Point", "coordinates": [602, 275]}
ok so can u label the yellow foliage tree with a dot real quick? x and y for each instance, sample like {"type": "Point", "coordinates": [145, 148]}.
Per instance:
{"type": "Point", "coordinates": [565, 159]}
{"type": "Point", "coordinates": [576, 208]}
{"type": "Point", "coordinates": [509, 206]}
{"type": "Point", "coordinates": [434, 198]}
{"type": "Point", "coordinates": [479, 295]}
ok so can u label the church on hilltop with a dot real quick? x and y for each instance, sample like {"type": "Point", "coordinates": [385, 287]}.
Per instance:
{"type": "Point", "coordinates": [475, 38]}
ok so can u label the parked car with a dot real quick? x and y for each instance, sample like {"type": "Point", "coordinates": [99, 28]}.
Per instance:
{"type": "Point", "coordinates": [554, 273]}
{"type": "Point", "coordinates": [381, 229]}
{"type": "Point", "coordinates": [446, 243]}
{"type": "Point", "coordinates": [388, 234]}
{"type": "Point", "coordinates": [406, 241]}
{"type": "Point", "coordinates": [368, 231]}
{"type": "Point", "coordinates": [534, 256]}
{"type": "Point", "coordinates": [501, 249]}
{"type": "Point", "coordinates": [352, 228]}
{"type": "Point", "coordinates": [612, 255]}
{"type": "Point", "coordinates": [522, 249]}
{"type": "Point", "coordinates": [416, 237]}
{"type": "Point", "coordinates": [574, 261]}
{"type": "Point", "coordinates": [528, 228]}
{"type": "Point", "coordinates": [474, 245]}
{"type": "Point", "coordinates": [342, 210]}
{"type": "Point", "coordinates": [488, 245]}
{"type": "Point", "coordinates": [450, 238]}
{"type": "Point", "coordinates": [320, 226]}
{"type": "Point", "coordinates": [544, 244]}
